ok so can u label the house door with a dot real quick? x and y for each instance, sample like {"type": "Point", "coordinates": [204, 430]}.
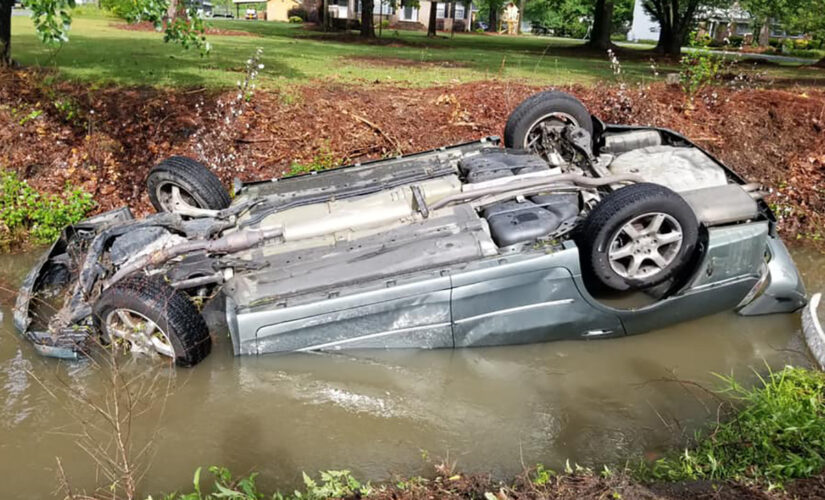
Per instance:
{"type": "Point", "coordinates": [409, 13]}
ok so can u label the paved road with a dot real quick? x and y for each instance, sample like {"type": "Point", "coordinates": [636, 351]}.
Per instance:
{"type": "Point", "coordinates": [734, 54]}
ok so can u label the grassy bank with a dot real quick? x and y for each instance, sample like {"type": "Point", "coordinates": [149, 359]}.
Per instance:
{"type": "Point", "coordinates": [770, 440]}
{"type": "Point", "coordinates": [102, 52]}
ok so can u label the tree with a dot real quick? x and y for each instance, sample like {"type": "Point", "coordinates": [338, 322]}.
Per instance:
{"type": "Point", "coordinates": [805, 16]}
{"type": "Point", "coordinates": [52, 19]}
{"type": "Point", "coordinates": [490, 9]}
{"type": "Point", "coordinates": [564, 17]}
{"type": "Point", "coordinates": [602, 25]}
{"type": "Point", "coordinates": [367, 24]}
{"type": "Point", "coordinates": [5, 32]}
{"type": "Point", "coordinates": [431, 24]}
{"type": "Point", "coordinates": [676, 19]}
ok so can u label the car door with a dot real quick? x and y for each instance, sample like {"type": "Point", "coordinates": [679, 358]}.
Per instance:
{"type": "Point", "coordinates": [531, 300]}
{"type": "Point", "coordinates": [388, 314]}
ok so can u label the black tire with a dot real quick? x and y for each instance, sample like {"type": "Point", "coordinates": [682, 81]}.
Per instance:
{"type": "Point", "coordinates": [170, 309]}
{"type": "Point", "coordinates": [604, 226]}
{"type": "Point", "coordinates": [532, 109]}
{"type": "Point", "coordinates": [203, 187]}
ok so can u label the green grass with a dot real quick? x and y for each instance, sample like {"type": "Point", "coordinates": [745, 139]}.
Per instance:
{"type": "Point", "coordinates": [103, 54]}
{"type": "Point", "coordinates": [776, 434]}
{"type": "Point", "coordinates": [100, 53]}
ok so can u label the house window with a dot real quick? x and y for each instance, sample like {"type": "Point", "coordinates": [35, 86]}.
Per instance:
{"type": "Point", "coordinates": [377, 7]}
{"type": "Point", "coordinates": [743, 28]}
{"type": "Point", "coordinates": [442, 12]}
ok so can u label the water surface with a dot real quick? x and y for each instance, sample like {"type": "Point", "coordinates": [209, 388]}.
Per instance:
{"type": "Point", "coordinates": [382, 413]}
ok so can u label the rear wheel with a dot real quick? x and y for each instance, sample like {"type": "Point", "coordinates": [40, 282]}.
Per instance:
{"type": "Point", "coordinates": [637, 237]}
{"type": "Point", "coordinates": [536, 123]}
{"type": "Point", "coordinates": [179, 183]}
{"type": "Point", "coordinates": [147, 316]}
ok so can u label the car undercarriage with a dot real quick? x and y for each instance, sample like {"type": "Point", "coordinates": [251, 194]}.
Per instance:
{"type": "Point", "coordinates": [467, 245]}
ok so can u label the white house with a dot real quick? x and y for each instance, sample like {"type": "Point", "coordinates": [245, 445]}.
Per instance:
{"type": "Point", "coordinates": [644, 26]}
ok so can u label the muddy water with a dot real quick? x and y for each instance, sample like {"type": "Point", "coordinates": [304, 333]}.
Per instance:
{"type": "Point", "coordinates": [390, 412]}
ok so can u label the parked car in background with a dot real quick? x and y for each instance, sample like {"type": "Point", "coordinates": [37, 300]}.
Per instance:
{"type": "Point", "coordinates": [467, 245]}
{"type": "Point", "coordinates": [251, 14]}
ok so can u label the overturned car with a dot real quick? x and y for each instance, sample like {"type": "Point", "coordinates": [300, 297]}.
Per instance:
{"type": "Point", "coordinates": [466, 245]}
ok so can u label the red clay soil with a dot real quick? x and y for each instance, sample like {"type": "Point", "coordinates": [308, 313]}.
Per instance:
{"type": "Point", "coordinates": [776, 137]}
{"type": "Point", "coordinates": [210, 30]}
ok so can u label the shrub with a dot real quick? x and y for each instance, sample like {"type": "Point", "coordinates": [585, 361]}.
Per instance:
{"type": "Point", "coordinates": [807, 54]}
{"type": "Point", "coordinates": [120, 8]}
{"type": "Point", "coordinates": [345, 24]}
{"type": "Point", "coordinates": [384, 24]}
{"type": "Point", "coordinates": [777, 434]}
{"type": "Point", "coordinates": [297, 12]}
{"type": "Point", "coordinates": [735, 40]}
{"type": "Point", "coordinates": [295, 20]}
{"type": "Point", "coordinates": [24, 211]}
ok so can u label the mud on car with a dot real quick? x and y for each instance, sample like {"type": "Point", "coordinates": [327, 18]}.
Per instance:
{"type": "Point", "coordinates": [476, 244]}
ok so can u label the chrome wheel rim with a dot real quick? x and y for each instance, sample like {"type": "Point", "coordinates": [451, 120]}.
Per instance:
{"type": "Point", "coordinates": [539, 134]}
{"type": "Point", "coordinates": [174, 198]}
{"type": "Point", "coordinates": [645, 246]}
{"type": "Point", "coordinates": [138, 333]}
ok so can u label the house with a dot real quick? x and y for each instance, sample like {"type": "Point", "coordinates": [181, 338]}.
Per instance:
{"type": "Point", "coordinates": [278, 10]}
{"type": "Point", "coordinates": [407, 16]}
{"type": "Point", "coordinates": [720, 23]}
{"type": "Point", "coordinates": [644, 26]}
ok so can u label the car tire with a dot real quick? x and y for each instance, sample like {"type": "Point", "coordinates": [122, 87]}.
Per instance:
{"type": "Point", "coordinates": [637, 237]}
{"type": "Point", "coordinates": [143, 299]}
{"type": "Point", "coordinates": [197, 185]}
{"type": "Point", "coordinates": [540, 107]}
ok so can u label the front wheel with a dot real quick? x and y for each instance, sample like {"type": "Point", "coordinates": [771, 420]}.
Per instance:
{"type": "Point", "coordinates": [146, 315]}
{"type": "Point", "coordinates": [637, 237]}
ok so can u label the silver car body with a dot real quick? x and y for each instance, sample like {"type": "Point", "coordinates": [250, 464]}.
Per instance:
{"type": "Point", "coordinates": [356, 268]}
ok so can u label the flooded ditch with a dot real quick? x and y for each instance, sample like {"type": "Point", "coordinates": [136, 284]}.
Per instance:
{"type": "Point", "coordinates": [381, 413]}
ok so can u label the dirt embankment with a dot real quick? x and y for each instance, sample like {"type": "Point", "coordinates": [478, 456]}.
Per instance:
{"type": "Point", "coordinates": [106, 140]}
{"type": "Point", "coordinates": [591, 487]}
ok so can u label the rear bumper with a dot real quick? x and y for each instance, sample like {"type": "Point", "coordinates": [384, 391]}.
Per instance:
{"type": "Point", "coordinates": [781, 289]}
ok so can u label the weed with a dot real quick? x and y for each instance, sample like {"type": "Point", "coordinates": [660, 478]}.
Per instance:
{"type": "Point", "coordinates": [777, 434]}
{"type": "Point", "coordinates": [699, 68]}
{"type": "Point", "coordinates": [31, 116]}
{"type": "Point", "coordinates": [541, 475]}
{"type": "Point", "coordinates": [324, 160]}
{"type": "Point", "coordinates": [25, 211]}
{"type": "Point", "coordinates": [333, 484]}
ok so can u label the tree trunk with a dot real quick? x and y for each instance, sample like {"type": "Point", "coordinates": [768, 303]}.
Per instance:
{"type": "Point", "coordinates": [433, 20]}
{"type": "Point", "coordinates": [820, 63]}
{"type": "Point", "coordinates": [5, 32]}
{"type": "Point", "coordinates": [493, 20]}
{"type": "Point", "coordinates": [520, 15]}
{"type": "Point", "coordinates": [602, 22]}
{"type": "Point", "coordinates": [367, 24]}
{"type": "Point", "coordinates": [665, 38]}
{"type": "Point", "coordinates": [172, 11]}
{"type": "Point", "coordinates": [765, 33]}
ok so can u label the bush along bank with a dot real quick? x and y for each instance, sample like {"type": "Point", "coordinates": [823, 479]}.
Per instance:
{"type": "Point", "coordinates": [27, 215]}
{"type": "Point", "coordinates": [770, 446]}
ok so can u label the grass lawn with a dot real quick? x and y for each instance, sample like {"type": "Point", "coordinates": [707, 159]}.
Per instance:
{"type": "Point", "coordinates": [100, 53]}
